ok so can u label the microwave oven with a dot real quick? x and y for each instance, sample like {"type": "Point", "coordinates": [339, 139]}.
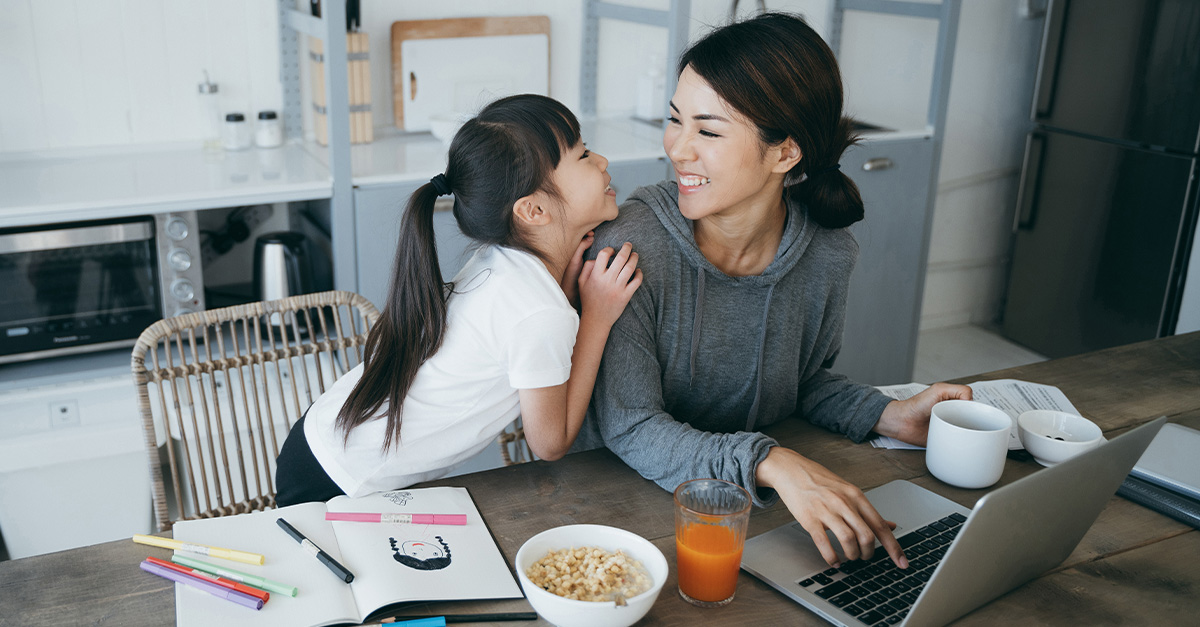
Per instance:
{"type": "Point", "coordinates": [88, 286]}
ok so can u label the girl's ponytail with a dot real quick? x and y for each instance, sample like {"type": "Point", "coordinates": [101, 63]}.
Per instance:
{"type": "Point", "coordinates": [412, 325]}
{"type": "Point", "coordinates": [832, 198]}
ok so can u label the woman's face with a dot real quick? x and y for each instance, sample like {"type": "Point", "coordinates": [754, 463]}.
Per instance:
{"type": "Point", "coordinates": [720, 162]}
{"type": "Point", "coordinates": [583, 182]}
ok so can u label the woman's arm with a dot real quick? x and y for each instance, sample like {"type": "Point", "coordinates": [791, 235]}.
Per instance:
{"type": "Point", "coordinates": [552, 416]}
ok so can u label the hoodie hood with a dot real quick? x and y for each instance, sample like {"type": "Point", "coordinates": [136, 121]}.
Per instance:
{"type": "Point", "coordinates": [663, 200]}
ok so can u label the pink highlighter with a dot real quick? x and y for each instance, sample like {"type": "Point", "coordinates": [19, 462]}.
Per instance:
{"type": "Point", "coordinates": [416, 519]}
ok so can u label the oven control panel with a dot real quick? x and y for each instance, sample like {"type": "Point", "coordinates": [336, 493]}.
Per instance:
{"type": "Point", "coordinates": [179, 266]}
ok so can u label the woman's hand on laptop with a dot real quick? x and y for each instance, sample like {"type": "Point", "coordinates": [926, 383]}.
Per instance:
{"type": "Point", "coordinates": [821, 500]}
{"type": "Point", "coordinates": [908, 420]}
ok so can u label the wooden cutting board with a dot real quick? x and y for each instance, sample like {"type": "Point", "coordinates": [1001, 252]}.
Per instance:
{"type": "Point", "coordinates": [448, 65]}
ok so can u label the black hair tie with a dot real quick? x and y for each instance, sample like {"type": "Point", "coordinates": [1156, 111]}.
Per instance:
{"type": "Point", "coordinates": [829, 168]}
{"type": "Point", "coordinates": [441, 185]}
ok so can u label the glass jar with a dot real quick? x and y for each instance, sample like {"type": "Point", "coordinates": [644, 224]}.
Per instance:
{"type": "Point", "coordinates": [236, 134]}
{"type": "Point", "coordinates": [269, 131]}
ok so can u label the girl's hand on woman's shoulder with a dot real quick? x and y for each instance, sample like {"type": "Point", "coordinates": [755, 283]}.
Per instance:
{"type": "Point", "coordinates": [570, 281]}
{"type": "Point", "coordinates": [608, 282]}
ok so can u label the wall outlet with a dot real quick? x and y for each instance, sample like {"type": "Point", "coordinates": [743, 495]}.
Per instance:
{"type": "Point", "coordinates": [64, 415]}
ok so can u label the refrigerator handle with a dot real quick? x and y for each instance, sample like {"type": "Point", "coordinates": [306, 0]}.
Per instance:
{"type": "Point", "coordinates": [1056, 22]}
{"type": "Point", "coordinates": [1031, 173]}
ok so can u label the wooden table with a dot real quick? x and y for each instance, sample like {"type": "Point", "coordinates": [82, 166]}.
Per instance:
{"type": "Point", "coordinates": [1134, 566]}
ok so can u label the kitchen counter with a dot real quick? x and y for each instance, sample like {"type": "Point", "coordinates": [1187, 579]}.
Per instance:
{"type": "Point", "coordinates": [108, 183]}
{"type": "Point", "coordinates": [400, 157]}
{"type": "Point", "coordinates": [62, 186]}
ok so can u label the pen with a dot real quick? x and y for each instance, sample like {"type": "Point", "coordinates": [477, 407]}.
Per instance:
{"type": "Point", "coordinates": [416, 519]}
{"type": "Point", "coordinates": [316, 552]}
{"type": "Point", "coordinates": [229, 573]}
{"type": "Point", "coordinates": [207, 586]}
{"type": "Point", "coordinates": [224, 583]}
{"type": "Point", "coordinates": [202, 549]}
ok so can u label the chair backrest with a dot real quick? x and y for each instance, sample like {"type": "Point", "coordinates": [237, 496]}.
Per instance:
{"type": "Point", "coordinates": [218, 391]}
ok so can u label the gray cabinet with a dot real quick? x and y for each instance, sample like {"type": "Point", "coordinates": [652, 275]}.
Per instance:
{"type": "Point", "coordinates": [883, 307]}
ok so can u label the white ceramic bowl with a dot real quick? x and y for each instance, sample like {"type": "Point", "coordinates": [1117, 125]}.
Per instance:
{"type": "Point", "coordinates": [1055, 436]}
{"type": "Point", "coordinates": [445, 125]}
{"type": "Point", "coordinates": [571, 613]}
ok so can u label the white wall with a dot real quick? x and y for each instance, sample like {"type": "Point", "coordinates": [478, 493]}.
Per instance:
{"type": "Point", "coordinates": [990, 94]}
{"type": "Point", "coordinates": [81, 73]}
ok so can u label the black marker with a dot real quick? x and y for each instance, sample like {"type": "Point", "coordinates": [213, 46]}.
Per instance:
{"type": "Point", "coordinates": [316, 551]}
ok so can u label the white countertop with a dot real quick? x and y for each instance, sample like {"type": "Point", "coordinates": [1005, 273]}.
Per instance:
{"type": "Point", "coordinates": [61, 186]}
{"type": "Point", "coordinates": [398, 157]}
{"type": "Point", "coordinates": [38, 188]}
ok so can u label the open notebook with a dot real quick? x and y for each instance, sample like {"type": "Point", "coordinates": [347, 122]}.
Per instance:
{"type": "Point", "coordinates": [436, 562]}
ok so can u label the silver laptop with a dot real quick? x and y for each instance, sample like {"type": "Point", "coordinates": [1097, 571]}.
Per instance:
{"type": "Point", "coordinates": [959, 559]}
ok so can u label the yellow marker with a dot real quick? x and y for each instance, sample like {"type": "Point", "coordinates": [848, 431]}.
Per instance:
{"type": "Point", "coordinates": [202, 549]}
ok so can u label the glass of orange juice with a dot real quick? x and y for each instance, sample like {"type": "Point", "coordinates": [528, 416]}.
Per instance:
{"type": "Point", "coordinates": [710, 531]}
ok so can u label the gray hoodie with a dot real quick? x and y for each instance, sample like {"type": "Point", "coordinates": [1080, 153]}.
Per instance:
{"type": "Point", "coordinates": [699, 360]}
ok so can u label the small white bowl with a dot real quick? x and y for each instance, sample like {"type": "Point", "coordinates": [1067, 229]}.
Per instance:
{"type": "Point", "coordinates": [1055, 436]}
{"type": "Point", "coordinates": [566, 612]}
{"type": "Point", "coordinates": [445, 125]}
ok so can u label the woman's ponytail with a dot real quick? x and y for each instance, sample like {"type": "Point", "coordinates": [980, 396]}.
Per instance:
{"type": "Point", "coordinates": [412, 325]}
{"type": "Point", "coordinates": [832, 198]}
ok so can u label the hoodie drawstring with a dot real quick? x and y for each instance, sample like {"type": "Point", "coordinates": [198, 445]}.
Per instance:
{"type": "Point", "coordinates": [762, 343]}
{"type": "Point", "coordinates": [697, 319]}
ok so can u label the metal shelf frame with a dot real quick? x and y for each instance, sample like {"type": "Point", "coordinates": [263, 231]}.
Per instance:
{"type": "Point", "coordinates": [331, 29]}
{"type": "Point", "coordinates": [675, 19]}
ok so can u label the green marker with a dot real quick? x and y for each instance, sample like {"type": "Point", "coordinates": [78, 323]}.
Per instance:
{"type": "Point", "coordinates": [238, 576]}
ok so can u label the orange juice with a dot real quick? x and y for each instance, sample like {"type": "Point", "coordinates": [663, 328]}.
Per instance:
{"type": "Point", "coordinates": [708, 558]}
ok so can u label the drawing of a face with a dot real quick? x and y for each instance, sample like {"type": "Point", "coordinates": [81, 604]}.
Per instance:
{"type": "Point", "coordinates": [421, 555]}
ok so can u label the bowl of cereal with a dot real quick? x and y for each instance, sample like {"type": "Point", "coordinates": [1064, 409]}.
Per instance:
{"type": "Point", "coordinates": [590, 575]}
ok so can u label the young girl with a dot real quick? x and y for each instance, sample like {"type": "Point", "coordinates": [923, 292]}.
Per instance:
{"type": "Point", "coordinates": [448, 366]}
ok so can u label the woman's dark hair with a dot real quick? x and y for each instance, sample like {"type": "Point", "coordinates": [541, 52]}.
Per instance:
{"type": "Point", "coordinates": [507, 152]}
{"type": "Point", "coordinates": [775, 70]}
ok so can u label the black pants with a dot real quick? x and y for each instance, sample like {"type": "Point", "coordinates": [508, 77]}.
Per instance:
{"type": "Point", "coordinates": [299, 477]}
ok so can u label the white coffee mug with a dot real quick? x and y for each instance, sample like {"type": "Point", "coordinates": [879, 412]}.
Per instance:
{"type": "Point", "coordinates": [968, 442]}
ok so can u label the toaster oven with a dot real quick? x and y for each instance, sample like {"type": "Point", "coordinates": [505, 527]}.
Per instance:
{"type": "Point", "coordinates": [88, 286]}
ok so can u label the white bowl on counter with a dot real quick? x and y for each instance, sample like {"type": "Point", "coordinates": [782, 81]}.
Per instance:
{"type": "Point", "coordinates": [1056, 436]}
{"type": "Point", "coordinates": [566, 612]}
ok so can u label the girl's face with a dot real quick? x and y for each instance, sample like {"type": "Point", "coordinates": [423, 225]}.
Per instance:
{"type": "Point", "coordinates": [720, 163]}
{"type": "Point", "coordinates": [583, 181]}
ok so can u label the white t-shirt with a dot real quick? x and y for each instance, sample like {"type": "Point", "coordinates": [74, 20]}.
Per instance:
{"type": "Point", "coordinates": [509, 327]}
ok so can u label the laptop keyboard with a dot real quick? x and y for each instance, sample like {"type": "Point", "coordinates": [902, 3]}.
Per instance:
{"type": "Point", "coordinates": [876, 591]}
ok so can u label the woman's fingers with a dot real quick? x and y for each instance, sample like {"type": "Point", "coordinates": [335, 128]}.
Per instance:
{"type": "Point", "coordinates": [816, 530]}
{"type": "Point", "coordinates": [882, 529]}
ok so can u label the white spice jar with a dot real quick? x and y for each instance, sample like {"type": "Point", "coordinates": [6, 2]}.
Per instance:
{"type": "Point", "coordinates": [235, 135]}
{"type": "Point", "coordinates": [269, 131]}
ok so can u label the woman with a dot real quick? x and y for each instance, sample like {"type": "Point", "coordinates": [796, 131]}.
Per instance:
{"type": "Point", "coordinates": [746, 265]}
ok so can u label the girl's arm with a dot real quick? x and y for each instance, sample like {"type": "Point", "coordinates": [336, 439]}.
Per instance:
{"type": "Point", "coordinates": [552, 416]}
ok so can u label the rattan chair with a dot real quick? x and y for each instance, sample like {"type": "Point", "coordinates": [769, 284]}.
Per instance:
{"type": "Point", "coordinates": [218, 391]}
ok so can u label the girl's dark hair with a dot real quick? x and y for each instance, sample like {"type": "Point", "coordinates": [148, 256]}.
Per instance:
{"type": "Point", "coordinates": [775, 70]}
{"type": "Point", "coordinates": [507, 152]}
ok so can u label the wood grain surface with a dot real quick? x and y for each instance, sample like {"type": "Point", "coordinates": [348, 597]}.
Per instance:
{"type": "Point", "coordinates": [1133, 567]}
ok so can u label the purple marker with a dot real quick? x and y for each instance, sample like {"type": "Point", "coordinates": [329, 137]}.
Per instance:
{"type": "Point", "coordinates": [225, 593]}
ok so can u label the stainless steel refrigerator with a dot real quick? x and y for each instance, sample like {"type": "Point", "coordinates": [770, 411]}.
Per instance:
{"type": "Point", "coordinates": [1108, 201]}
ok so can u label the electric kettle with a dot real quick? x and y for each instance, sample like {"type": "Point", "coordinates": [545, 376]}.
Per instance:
{"type": "Point", "coordinates": [282, 265]}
